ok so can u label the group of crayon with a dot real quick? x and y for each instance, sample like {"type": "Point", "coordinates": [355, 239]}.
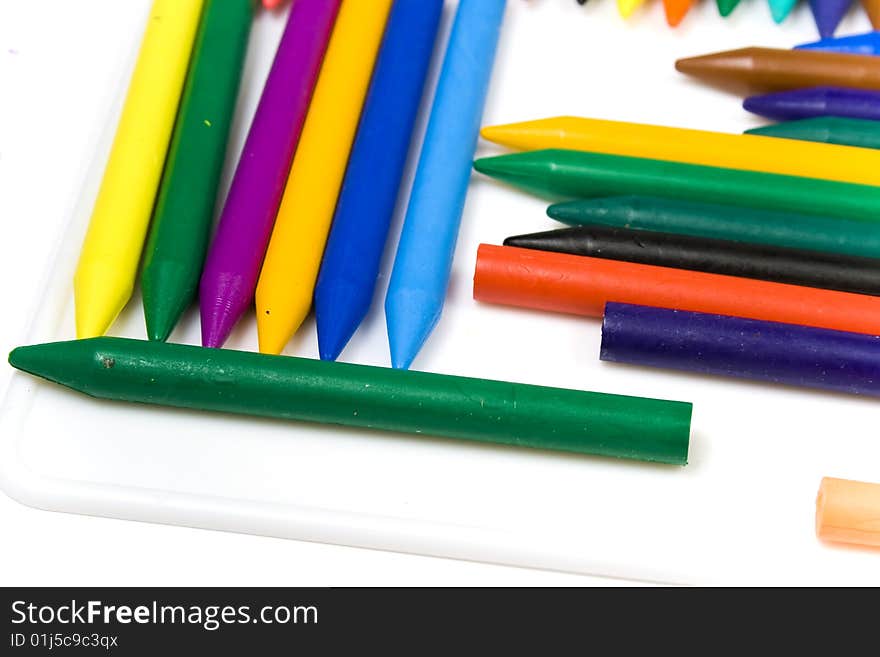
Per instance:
{"type": "Point", "coordinates": [310, 204]}
{"type": "Point", "coordinates": [754, 256]}
{"type": "Point", "coordinates": [308, 214]}
{"type": "Point", "coordinates": [742, 255]}
{"type": "Point", "coordinates": [827, 13]}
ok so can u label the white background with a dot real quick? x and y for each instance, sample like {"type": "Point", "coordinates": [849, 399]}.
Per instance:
{"type": "Point", "coordinates": [59, 61]}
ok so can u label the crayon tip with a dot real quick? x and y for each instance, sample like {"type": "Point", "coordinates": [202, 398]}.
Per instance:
{"type": "Point", "coordinates": [676, 11]}
{"type": "Point", "coordinates": [272, 4]}
{"type": "Point", "coordinates": [726, 7]}
{"type": "Point", "coordinates": [339, 310]}
{"type": "Point", "coordinates": [626, 8]}
{"type": "Point", "coordinates": [411, 316]}
{"type": "Point", "coordinates": [165, 296]}
{"type": "Point", "coordinates": [222, 301]}
{"type": "Point", "coordinates": [828, 15]}
{"type": "Point", "coordinates": [47, 361]}
{"type": "Point", "coordinates": [100, 296]}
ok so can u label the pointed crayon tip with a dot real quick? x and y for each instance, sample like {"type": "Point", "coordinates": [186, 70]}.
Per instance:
{"type": "Point", "coordinates": [781, 9]}
{"type": "Point", "coordinates": [99, 297]}
{"type": "Point", "coordinates": [223, 299]}
{"type": "Point", "coordinates": [167, 292]}
{"type": "Point", "coordinates": [54, 361]}
{"type": "Point", "coordinates": [411, 316]}
{"type": "Point", "coordinates": [726, 7]}
{"type": "Point", "coordinates": [627, 8]}
{"type": "Point", "coordinates": [339, 311]}
{"type": "Point", "coordinates": [676, 11]}
{"type": "Point", "coordinates": [828, 14]}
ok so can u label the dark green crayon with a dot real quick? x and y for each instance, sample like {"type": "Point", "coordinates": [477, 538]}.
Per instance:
{"type": "Point", "coordinates": [179, 235]}
{"type": "Point", "coordinates": [827, 130]}
{"type": "Point", "coordinates": [362, 396]}
{"type": "Point", "coordinates": [725, 222]}
{"type": "Point", "coordinates": [569, 174]}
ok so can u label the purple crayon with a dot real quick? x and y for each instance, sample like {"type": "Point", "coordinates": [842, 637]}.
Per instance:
{"type": "Point", "coordinates": [236, 254]}
{"type": "Point", "coordinates": [742, 348]}
{"type": "Point", "coordinates": [828, 14]}
{"type": "Point", "coordinates": [816, 101]}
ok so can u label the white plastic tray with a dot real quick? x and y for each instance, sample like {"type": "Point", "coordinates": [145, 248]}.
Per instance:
{"type": "Point", "coordinates": [741, 512]}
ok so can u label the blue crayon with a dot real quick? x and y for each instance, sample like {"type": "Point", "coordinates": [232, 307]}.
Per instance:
{"type": "Point", "coordinates": [353, 255]}
{"type": "Point", "coordinates": [856, 44]}
{"type": "Point", "coordinates": [828, 14]}
{"type": "Point", "coordinates": [424, 255]}
{"type": "Point", "coordinates": [816, 101]}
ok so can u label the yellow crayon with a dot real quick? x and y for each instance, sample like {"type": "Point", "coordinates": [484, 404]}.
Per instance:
{"type": "Point", "coordinates": [627, 7]}
{"type": "Point", "coordinates": [108, 264]}
{"type": "Point", "coordinates": [717, 149]}
{"type": "Point", "coordinates": [287, 280]}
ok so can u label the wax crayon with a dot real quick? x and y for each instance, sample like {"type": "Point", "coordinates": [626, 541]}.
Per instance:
{"type": "Point", "coordinates": [361, 396]}
{"type": "Point", "coordinates": [725, 222]}
{"type": "Point", "coordinates": [848, 512]}
{"type": "Point", "coordinates": [726, 7]}
{"type": "Point", "coordinates": [855, 44]}
{"type": "Point", "coordinates": [768, 69]}
{"type": "Point", "coordinates": [826, 129]}
{"type": "Point", "coordinates": [816, 101]}
{"type": "Point", "coordinates": [828, 14]}
{"type": "Point", "coordinates": [751, 153]}
{"type": "Point", "coordinates": [272, 4]}
{"type": "Point", "coordinates": [577, 285]}
{"type": "Point", "coordinates": [742, 348]}
{"type": "Point", "coordinates": [111, 251]}
{"type": "Point", "coordinates": [564, 174]}
{"type": "Point", "coordinates": [768, 263]}
{"type": "Point", "coordinates": [366, 203]}
{"type": "Point", "coordinates": [236, 254]}
{"type": "Point", "coordinates": [423, 261]}
{"type": "Point", "coordinates": [287, 280]}
{"type": "Point", "coordinates": [184, 213]}
{"type": "Point", "coordinates": [780, 9]}
{"type": "Point", "coordinates": [628, 7]}
{"type": "Point", "coordinates": [676, 10]}
{"type": "Point", "coordinates": [872, 8]}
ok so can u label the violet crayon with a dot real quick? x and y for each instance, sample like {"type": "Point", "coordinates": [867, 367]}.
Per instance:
{"type": "Point", "coordinates": [742, 348]}
{"type": "Point", "coordinates": [816, 101]}
{"type": "Point", "coordinates": [828, 14]}
{"type": "Point", "coordinates": [236, 254]}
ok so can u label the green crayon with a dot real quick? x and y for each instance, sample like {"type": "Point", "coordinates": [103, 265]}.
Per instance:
{"type": "Point", "coordinates": [562, 174]}
{"type": "Point", "coordinates": [827, 130]}
{"type": "Point", "coordinates": [178, 240]}
{"type": "Point", "coordinates": [371, 397]}
{"type": "Point", "coordinates": [725, 222]}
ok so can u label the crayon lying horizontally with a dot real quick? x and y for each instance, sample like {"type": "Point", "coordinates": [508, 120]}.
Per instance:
{"type": "Point", "coordinates": [716, 149]}
{"type": "Point", "coordinates": [768, 263]}
{"type": "Point", "coordinates": [236, 254]}
{"type": "Point", "coordinates": [725, 222]}
{"type": "Point", "coordinates": [828, 130]}
{"type": "Point", "coordinates": [111, 252]}
{"type": "Point", "coordinates": [848, 512]}
{"type": "Point", "coordinates": [350, 267]}
{"type": "Point", "coordinates": [184, 212]}
{"type": "Point", "coordinates": [768, 69]}
{"type": "Point", "coordinates": [360, 396]}
{"type": "Point", "coordinates": [828, 14]}
{"type": "Point", "coordinates": [854, 44]}
{"type": "Point", "coordinates": [423, 262]}
{"type": "Point", "coordinates": [286, 286]}
{"type": "Point", "coordinates": [816, 101]}
{"type": "Point", "coordinates": [572, 174]}
{"type": "Point", "coordinates": [577, 285]}
{"type": "Point", "coordinates": [742, 348]}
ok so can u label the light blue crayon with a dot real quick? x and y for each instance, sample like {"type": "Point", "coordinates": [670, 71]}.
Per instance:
{"type": "Point", "coordinates": [366, 203]}
{"type": "Point", "coordinates": [856, 44]}
{"type": "Point", "coordinates": [780, 9]}
{"type": "Point", "coordinates": [423, 263]}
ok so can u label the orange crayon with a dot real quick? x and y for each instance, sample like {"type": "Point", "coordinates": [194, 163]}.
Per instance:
{"type": "Point", "coordinates": [676, 10]}
{"type": "Point", "coordinates": [848, 512]}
